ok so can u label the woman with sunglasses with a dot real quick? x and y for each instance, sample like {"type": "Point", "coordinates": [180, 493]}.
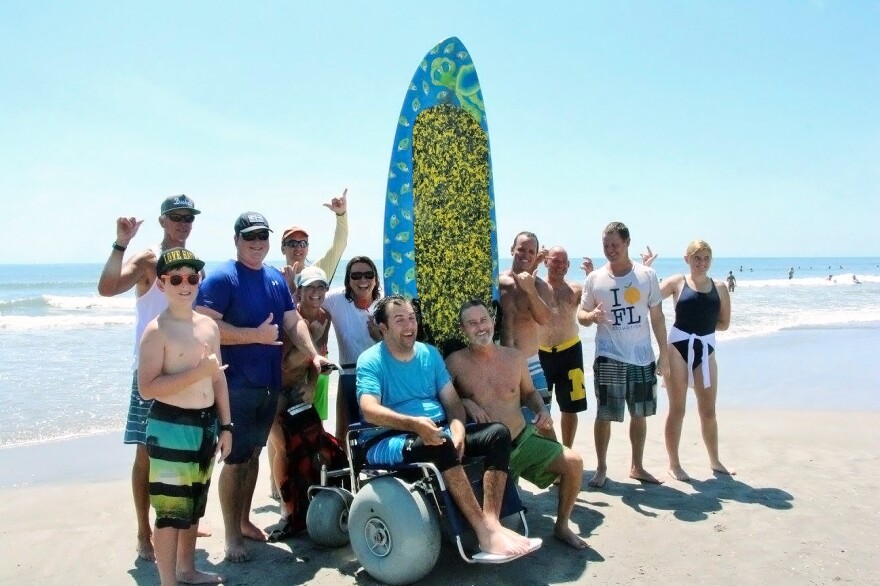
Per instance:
{"type": "Point", "coordinates": [356, 330]}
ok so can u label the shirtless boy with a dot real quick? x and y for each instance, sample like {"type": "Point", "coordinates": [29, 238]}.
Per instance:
{"type": "Point", "coordinates": [179, 367]}
{"type": "Point", "coordinates": [493, 381]}
{"type": "Point", "coordinates": [560, 351]}
{"type": "Point", "coordinates": [523, 310]}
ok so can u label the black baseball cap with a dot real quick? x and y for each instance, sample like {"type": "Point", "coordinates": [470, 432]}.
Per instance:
{"type": "Point", "coordinates": [179, 202]}
{"type": "Point", "coordinates": [251, 222]}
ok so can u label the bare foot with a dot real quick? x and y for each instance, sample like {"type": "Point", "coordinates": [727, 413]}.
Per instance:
{"type": "Point", "coordinates": [145, 549]}
{"type": "Point", "coordinates": [251, 531]}
{"type": "Point", "coordinates": [643, 475]}
{"type": "Point", "coordinates": [204, 529]}
{"type": "Point", "coordinates": [237, 553]}
{"type": "Point", "coordinates": [514, 537]}
{"type": "Point", "coordinates": [678, 473]}
{"type": "Point", "coordinates": [197, 577]}
{"type": "Point", "coordinates": [598, 480]}
{"type": "Point", "coordinates": [504, 542]}
{"type": "Point", "coordinates": [722, 469]}
{"type": "Point", "coordinates": [569, 537]}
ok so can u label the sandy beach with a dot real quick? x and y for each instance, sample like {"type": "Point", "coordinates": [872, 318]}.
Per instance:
{"type": "Point", "coordinates": [803, 508]}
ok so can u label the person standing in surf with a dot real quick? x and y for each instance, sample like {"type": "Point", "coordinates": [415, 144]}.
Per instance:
{"type": "Point", "coordinates": [623, 300]}
{"type": "Point", "coordinates": [177, 214]}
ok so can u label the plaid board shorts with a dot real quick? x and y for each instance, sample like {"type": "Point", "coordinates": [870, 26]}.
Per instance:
{"type": "Point", "coordinates": [618, 384]}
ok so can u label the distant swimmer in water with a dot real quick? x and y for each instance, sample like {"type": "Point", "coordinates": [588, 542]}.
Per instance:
{"type": "Point", "coordinates": [829, 278]}
{"type": "Point", "coordinates": [731, 281]}
{"type": "Point", "coordinates": [791, 273]}
{"type": "Point", "coordinates": [856, 281]}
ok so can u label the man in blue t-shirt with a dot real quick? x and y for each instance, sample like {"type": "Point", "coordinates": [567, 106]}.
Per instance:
{"type": "Point", "coordinates": [249, 301]}
{"type": "Point", "coordinates": [403, 385]}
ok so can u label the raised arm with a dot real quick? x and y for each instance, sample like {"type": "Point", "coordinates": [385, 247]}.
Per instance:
{"type": "Point", "coordinates": [330, 261]}
{"type": "Point", "coordinates": [529, 284]}
{"type": "Point", "coordinates": [117, 277]}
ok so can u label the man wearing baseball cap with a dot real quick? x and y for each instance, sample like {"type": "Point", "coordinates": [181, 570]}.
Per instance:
{"type": "Point", "coordinates": [251, 303]}
{"type": "Point", "coordinates": [295, 244]}
{"type": "Point", "coordinates": [177, 214]}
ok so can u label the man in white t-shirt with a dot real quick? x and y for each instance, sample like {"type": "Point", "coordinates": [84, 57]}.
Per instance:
{"type": "Point", "coordinates": [621, 298]}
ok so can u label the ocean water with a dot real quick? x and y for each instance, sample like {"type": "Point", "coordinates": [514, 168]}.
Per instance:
{"type": "Point", "coordinates": [65, 352]}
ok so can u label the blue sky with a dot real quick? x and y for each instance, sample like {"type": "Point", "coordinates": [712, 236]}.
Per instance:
{"type": "Point", "coordinates": [753, 125]}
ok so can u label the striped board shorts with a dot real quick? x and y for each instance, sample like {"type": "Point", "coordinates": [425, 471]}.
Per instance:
{"type": "Point", "coordinates": [181, 444]}
{"type": "Point", "coordinates": [138, 408]}
{"type": "Point", "coordinates": [618, 383]}
{"type": "Point", "coordinates": [540, 382]}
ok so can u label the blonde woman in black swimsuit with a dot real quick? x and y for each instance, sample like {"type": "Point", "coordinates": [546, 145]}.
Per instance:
{"type": "Point", "coordinates": [702, 307]}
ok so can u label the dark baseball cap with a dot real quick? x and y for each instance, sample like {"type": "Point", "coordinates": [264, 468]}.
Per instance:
{"type": "Point", "coordinates": [250, 222]}
{"type": "Point", "coordinates": [177, 257]}
{"type": "Point", "coordinates": [179, 202]}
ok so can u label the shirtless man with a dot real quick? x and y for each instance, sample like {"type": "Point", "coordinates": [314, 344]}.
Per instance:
{"type": "Point", "coordinates": [178, 213]}
{"type": "Point", "coordinates": [179, 368]}
{"type": "Point", "coordinates": [523, 311]}
{"type": "Point", "coordinates": [560, 350]}
{"type": "Point", "coordinates": [493, 382]}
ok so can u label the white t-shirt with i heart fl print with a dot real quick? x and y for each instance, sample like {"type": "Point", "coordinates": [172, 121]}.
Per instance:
{"type": "Point", "coordinates": [626, 335]}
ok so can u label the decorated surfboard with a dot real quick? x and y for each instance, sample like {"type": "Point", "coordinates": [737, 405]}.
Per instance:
{"type": "Point", "coordinates": [440, 243]}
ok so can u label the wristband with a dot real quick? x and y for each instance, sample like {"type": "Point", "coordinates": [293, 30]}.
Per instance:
{"type": "Point", "coordinates": [119, 248]}
{"type": "Point", "coordinates": [226, 427]}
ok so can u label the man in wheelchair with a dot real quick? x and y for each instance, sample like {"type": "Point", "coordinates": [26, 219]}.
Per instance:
{"type": "Point", "coordinates": [403, 385]}
{"type": "Point", "coordinates": [493, 382]}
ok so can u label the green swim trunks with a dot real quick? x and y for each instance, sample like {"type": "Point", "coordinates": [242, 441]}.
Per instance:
{"type": "Point", "coordinates": [181, 444]}
{"type": "Point", "coordinates": [531, 455]}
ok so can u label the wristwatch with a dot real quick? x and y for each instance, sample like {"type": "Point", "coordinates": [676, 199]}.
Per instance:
{"type": "Point", "coordinates": [226, 427]}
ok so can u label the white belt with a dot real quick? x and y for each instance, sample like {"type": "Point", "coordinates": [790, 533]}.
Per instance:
{"type": "Point", "coordinates": [676, 335]}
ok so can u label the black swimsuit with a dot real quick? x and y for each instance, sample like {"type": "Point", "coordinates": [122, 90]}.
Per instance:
{"type": "Point", "coordinates": [696, 313]}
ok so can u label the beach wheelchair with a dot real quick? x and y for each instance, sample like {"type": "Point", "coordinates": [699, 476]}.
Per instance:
{"type": "Point", "coordinates": [395, 516]}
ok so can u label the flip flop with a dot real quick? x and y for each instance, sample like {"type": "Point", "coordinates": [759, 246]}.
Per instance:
{"type": "Point", "coordinates": [485, 557]}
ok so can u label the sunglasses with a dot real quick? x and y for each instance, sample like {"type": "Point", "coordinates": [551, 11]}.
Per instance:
{"type": "Point", "coordinates": [185, 218]}
{"type": "Point", "coordinates": [251, 236]}
{"type": "Point", "coordinates": [296, 243]}
{"type": "Point", "coordinates": [176, 280]}
{"type": "Point", "coordinates": [357, 275]}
